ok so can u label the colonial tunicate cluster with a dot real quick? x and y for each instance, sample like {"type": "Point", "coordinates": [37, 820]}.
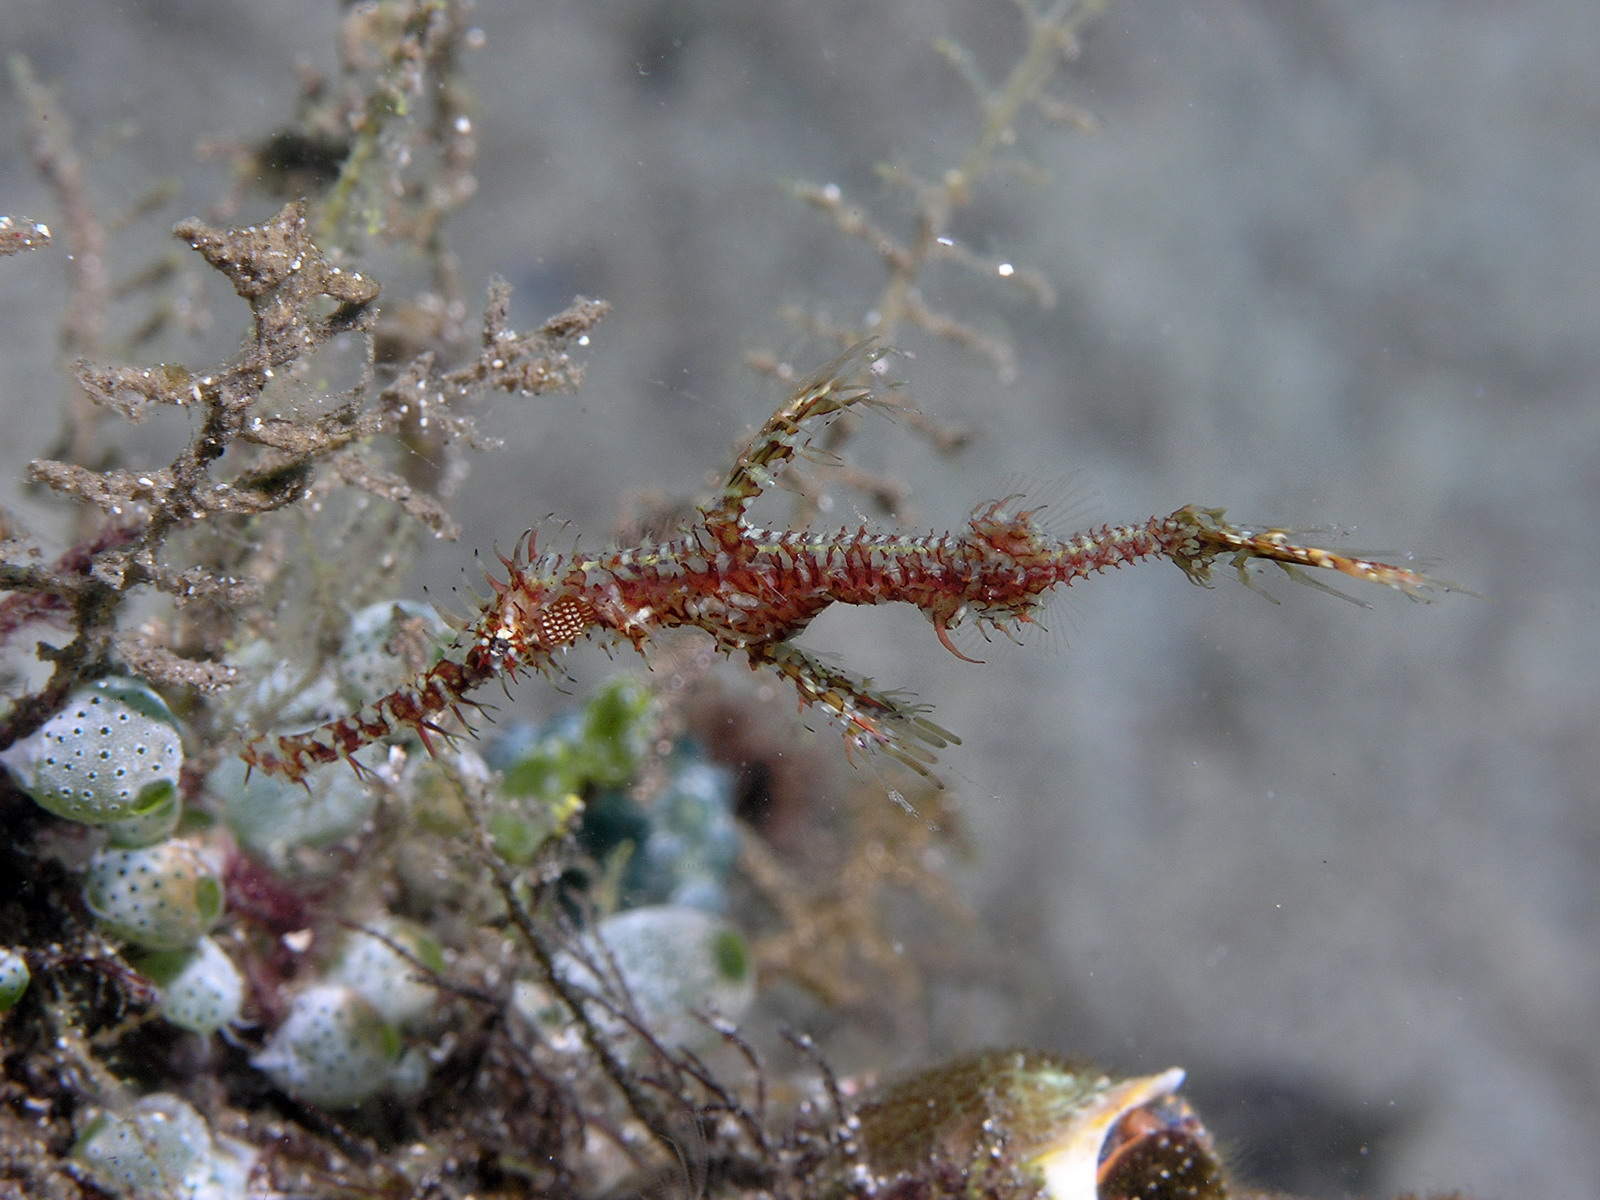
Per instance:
{"type": "Point", "coordinates": [667, 851]}
{"type": "Point", "coordinates": [551, 771]}
{"type": "Point", "coordinates": [684, 838]}
{"type": "Point", "coordinates": [341, 1040]}
{"type": "Point", "coordinates": [676, 842]}
{"type": "Point", "coordinates": [111, 758]}
{"type": "Point", "coordinates": [599, 745]}
{"type": "Point", "coordinates": [273, 817]}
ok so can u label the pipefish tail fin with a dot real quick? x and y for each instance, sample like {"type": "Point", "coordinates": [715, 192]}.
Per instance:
{"type": "Point", "coordinates": [1204, 537]}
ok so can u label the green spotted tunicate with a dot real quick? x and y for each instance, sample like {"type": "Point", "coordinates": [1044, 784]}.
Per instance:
{"type": "Point", "coordinates": [393, 983]}
{"type": "Point", "coordinates": [334, 1049]}
{"type": "Point", "coordinates": [163, 896]}
{"type": "Point", "coordinates": [14, 977]}
{"type": "Point", "coordinates": [111, 755]}
{"type": "Point", "coordinates": [201, 990]}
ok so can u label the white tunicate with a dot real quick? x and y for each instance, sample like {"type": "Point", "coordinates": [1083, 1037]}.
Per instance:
{"type": "Point", "coordinates": [285, 690]}
{"type": "Point", "coordinates": [14, 977]}
{"type": "Point", "coordinates": [677, 962]}
{"type": "Point", "coordinates": [273, 816]}
{"type": "Point", "coordinates": [163, 1147]}
{"type": "Point", "coordinates": [334, 1049]}
{"type": "Point", "coordinates": [390, 982]}
{"type": "Point", "coordinates": [163, 896]}
{"type": "Point", "coordinates": [368, 665]}
{"type": "Point", "coordinates": [201, 990]}
{"type": "Point", "coordinates": [113, 753]}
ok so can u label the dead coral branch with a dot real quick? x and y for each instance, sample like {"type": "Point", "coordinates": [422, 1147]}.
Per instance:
{"type": "Point", "coordinates": [300, 303]}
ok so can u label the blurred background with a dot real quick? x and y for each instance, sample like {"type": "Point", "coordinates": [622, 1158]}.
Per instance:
{"type": "Point", "coordinates": [1325, 264]}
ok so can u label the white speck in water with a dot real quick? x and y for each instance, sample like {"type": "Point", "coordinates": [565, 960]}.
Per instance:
{"type": "Point", "coordinates": [1006, 270]}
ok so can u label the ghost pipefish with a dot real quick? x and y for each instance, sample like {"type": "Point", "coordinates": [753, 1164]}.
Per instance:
{"type": "Point", "coordinates": [753, 590]}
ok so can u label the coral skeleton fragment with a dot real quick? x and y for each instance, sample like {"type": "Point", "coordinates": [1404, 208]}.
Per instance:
{"type": "Point", "coordinates": [754, 590]}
